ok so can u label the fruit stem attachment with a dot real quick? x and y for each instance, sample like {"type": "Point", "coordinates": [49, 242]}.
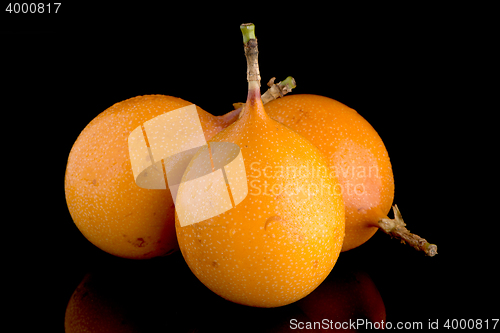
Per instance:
{"type": "Point", "coordinates": [275, 91]}
{"type": "Point", "coordinates": [397, 228]}
{"type": "Point", "coordinates": [251, 53]}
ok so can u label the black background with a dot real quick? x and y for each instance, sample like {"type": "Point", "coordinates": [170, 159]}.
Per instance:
{"type": "Point", "coordinates": [402, 68]}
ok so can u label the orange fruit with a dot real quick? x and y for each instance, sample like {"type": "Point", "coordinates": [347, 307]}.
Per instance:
{"type": "Point", "coordinates": [279, 243]}
{"type": "Point", "coordinates": [103, 199]}
{"type": "Point", "coordinates": [355, 153]}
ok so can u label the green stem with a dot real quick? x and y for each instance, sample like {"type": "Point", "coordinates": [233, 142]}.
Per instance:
{"type": "Point", "coordinates": [251, 54]}
{"type": "Point", "coordinates": [276, 91]}
{"type": "Point", "coordinates": [288, 82]}
{"type": "Point", "coordinates": [248, 30]}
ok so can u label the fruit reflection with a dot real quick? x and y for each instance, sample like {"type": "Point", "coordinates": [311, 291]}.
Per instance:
{"type": "Point", "coordinates": [162, 295]}
{"type": "Point", "coordinates": [136, 296]}
{"type": "Point", "coordinates": [346, 296]}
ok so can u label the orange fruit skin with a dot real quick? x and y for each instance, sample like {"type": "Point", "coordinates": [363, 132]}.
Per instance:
{"type": "Point", "coordinates": [103, 199]}
{"type": "Point", "coordinates": [353, 150]}
{"type": "Point", "coordinates": [274, 247]}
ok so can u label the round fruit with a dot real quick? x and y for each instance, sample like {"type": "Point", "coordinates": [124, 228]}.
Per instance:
{"type": "Point", "coordinates": [284, 238]}
{"type": "Point", "coordinates": [355, 153]}
{"type": "Point", "coordinates": [103, 199]}
{"type": "Point", "coordinates": [357, 156]}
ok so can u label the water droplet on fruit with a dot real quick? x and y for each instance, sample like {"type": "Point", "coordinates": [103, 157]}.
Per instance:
{"type": "Point", "coordinates": [232, 232]}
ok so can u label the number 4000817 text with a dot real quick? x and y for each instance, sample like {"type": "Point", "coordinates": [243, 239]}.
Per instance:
{"type": "Point", "coordinates": [33, 8]}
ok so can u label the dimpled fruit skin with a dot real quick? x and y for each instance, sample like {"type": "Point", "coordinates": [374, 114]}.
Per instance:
{"type": "Point", "coordinates": [353, 150]}
{"type": "Point", "coordinates": [106, 205]}
{"type": "Point", "coordinates": [274, 247]}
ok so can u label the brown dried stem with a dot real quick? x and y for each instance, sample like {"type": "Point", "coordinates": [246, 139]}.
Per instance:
{"type": "Point", "coordinates": [397, 228]}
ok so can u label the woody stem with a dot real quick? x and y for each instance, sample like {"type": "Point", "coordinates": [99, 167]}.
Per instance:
{"type": "Point", "coordinates": [397, 228]}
